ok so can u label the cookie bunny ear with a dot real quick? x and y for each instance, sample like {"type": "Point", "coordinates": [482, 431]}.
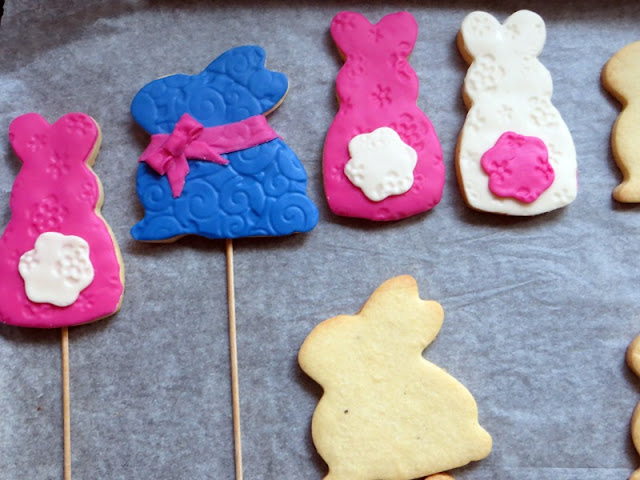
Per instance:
{"type": "Point", "coordinates": [246, 66]}
{"type": "Point", "coordinates": [76, 135]}
{"type": "Point", "coordinates": [73, 136]}
{"type": "Point", "coordinates": [387, 295]}
{"type": "Point", "coordinates": [527, 31]}
{"type": "Point", "coordinates": [235, 86]}
{"type": "Point", "coordinates": [398, 301]}
{"type": "Point", "coordinates": [28, 135]}
{"type": "Point", "coordinates": [479, 32]}
{"type": "Point", "coordinates": [239, 63]}
{"type": "Point", "coordinates": [620, 74]}
{"type": "Point", "coordinates": [158, 106]}
{"type": "Point", "coordinates": [402, 28]}
{"type": "Point", "coordinates": [350, 32]}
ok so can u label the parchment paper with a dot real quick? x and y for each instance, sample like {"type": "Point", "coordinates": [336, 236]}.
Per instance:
{"type": "Point", "coordinates": [538, 311]}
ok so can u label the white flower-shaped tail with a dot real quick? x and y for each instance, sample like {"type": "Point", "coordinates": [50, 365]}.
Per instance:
{"type": "Point", "coordinates": [57, 269]}
{"type": "Point", "coordinates": [381, 164]}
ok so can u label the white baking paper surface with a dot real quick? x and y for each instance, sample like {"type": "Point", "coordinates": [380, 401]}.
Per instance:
{"type": "Point", "coordinates": [538, 311]}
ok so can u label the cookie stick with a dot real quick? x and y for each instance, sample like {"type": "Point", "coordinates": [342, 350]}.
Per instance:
{"type": "Point", "coordinates": [66, 405]}
{"type": "Point", "coordinates": [233, 354]}
{"type": "Point", "coordinates": [61, 264]}
{"type": "Point", "coordinates": [241, 179]}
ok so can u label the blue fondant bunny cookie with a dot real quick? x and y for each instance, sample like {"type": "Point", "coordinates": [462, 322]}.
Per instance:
{"type": "Point", "coordinates": [214, 166]}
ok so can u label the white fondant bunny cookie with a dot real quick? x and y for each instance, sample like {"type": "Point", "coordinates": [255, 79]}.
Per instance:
{"type": "Point", "coordinates": [515, 154]}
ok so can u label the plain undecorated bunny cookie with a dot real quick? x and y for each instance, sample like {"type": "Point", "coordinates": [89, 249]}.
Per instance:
{"type": "Point", "coordinates": [633, 360]}
{"type": "Point", "coordinates": [621, 77]}
{"type": "Point", "coordinates": [59, 262]}
{"type": "Point", "coordinates": [382, 158]}
{"type": "Point", "coordinates": [386, 412]}
{"type": "Point", "coordinates": [515, 154]}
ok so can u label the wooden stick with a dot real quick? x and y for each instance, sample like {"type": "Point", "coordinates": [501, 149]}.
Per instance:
{"type": "Point", "coordinates": [233, 352]}
{"type": "Point", "coordinates": [66, 404]}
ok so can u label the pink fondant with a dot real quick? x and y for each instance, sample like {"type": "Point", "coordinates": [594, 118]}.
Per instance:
{"type": "Point", "coordinates": [518, 167]}
{"type": "Point", "coordinates": [378, 88]}
{"type": "Point", "coordinates": [55, 191]}
{"type": "Point", "coordinates": [167, 154]}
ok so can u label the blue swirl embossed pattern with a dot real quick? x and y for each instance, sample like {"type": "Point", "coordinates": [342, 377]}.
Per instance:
{"type": "Point", "coordinates": [261, 192]}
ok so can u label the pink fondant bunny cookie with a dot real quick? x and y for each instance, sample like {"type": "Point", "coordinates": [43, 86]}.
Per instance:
{"type": "Point", "coordinates": [515, 154]}
{"type": "Point", "coordinates": [382, 158]}
{"type": "Point", "coordinates": [59, 262]}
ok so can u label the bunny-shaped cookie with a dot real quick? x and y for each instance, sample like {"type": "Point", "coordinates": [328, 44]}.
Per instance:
{"type": "Point", "coordinates": [515, 154]}
{"type": "Point", "coordinates": [214, 166]}
{"type": "Point", "coordinates": [386, 412]}
{"type": "Point", "coordinates": [382, 158]}
{"type": "Point", "coordinates": [59, 263]}
{"type": "Point", "coordinates": [621, 77]}
{"type": "Point", "coordinates": [633, 360]}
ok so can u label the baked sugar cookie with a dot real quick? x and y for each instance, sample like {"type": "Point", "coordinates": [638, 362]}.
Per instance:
{"type": "Point", "coordinates": [386, 412]}
{"type": "Point", "coordinates": [59, 262]}
{"type": "Point", "coordinates": [621, 77]}
{"type": "Point", "coordinates": [633, 360]}
{"type": "Point", "coordinates": [382, 158]}
{"type": "Point", "coordinates": [515, 154]}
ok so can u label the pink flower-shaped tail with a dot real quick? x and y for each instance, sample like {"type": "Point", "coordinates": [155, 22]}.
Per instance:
{"type": "Point", "coordinates": [518, 167]}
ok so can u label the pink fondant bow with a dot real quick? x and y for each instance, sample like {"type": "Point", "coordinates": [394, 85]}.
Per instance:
{"type": "Point", "coordinates": [167, 154]}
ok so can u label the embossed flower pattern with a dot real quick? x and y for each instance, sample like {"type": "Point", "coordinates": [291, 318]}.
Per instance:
{"type": "Point", "coordinates": [382, 95]}
{"type": "Point", "coordinates": [542, 112]}
{"type": "Point", "coordinates": [484, 74]}
{"type": "Point", "coordinates": [36, 142]}
{"type": "Point", "coordinates": [57, 166]}
{"type": "Point", "coordinates": [87, 192]}
{"type": "Point", "coordinates": [344, 21]}
{"type": "Point", "coordinates": [482, 24]}
{"type": "Point", "coordinates": [518, 167]}
{"type": "Point", "coordinates": [78, 124]}
{"type": "Point", "coordinates": [354, 67]}
{"type": "Point", "coordinates": [410, 130]}
{"type": "Point", "coordinates": [48, 214]}
{"type": "Point", "coordinates": [85, 302]}
{"type": "Point", "coordinates": [375, 34]}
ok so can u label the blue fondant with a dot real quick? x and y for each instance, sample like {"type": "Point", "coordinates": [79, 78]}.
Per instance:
{"type": "Point", "coordinates": [262, 191]}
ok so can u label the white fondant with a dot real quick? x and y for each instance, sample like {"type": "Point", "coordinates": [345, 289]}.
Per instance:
{"type": "Point", "coordinates": [57, 269]}
{"type": "Point", "coordinates": [381, 164]}
{"type": "Point", "coordinates": [511, 91]}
